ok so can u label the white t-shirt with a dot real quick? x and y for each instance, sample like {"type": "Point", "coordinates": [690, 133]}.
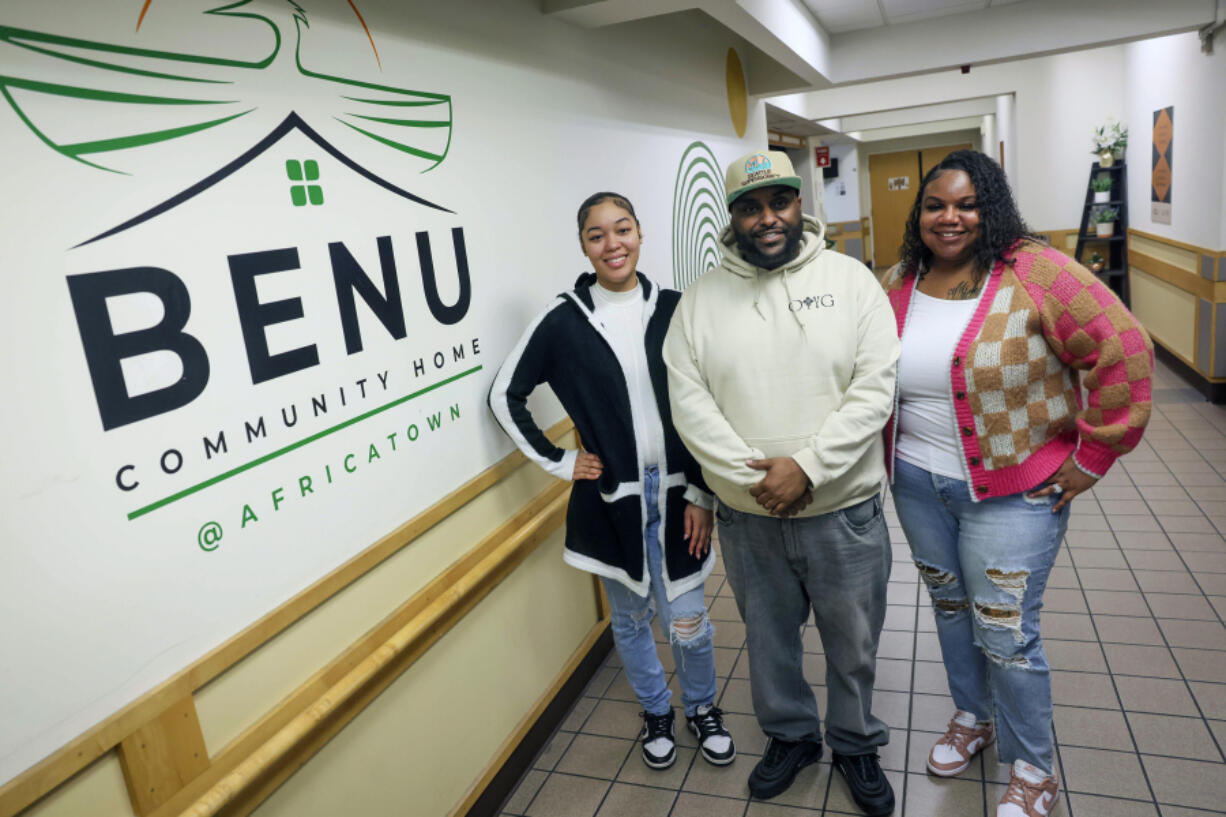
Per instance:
{"type": "Point", "coordinates": [927, 427]}
{"type": "Point", "coordinates": [621, 314]}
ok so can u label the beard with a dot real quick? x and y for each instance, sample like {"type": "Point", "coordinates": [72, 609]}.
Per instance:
{"type": "Point", "coordinates": [745, 242]}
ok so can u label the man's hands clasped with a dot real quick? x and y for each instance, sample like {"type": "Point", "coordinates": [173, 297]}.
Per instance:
{"type": "Point", "coordinates": [784, 491]}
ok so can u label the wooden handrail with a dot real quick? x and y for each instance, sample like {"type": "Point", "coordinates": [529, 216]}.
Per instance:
{"type": "Point", "coordinates": [281, 743]}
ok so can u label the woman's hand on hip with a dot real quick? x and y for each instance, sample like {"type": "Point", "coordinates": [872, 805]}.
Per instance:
{"type": "Point", "coordinates": [587, 466]}
{"type": "Point", "coordinates": [1069, 481]}
{"type": "Point", "coordinates": [698, 524]}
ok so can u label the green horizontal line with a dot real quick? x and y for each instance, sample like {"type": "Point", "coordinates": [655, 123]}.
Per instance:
{"type": "Point", "coordinates": [161, 503]}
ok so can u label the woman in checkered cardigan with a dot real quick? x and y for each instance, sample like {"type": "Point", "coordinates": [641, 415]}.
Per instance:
{"type": "Point", "coordinates": [989, 442]}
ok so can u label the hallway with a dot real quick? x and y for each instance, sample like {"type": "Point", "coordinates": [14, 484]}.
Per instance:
{"type": "Point", "coordinates": [1133, 625]}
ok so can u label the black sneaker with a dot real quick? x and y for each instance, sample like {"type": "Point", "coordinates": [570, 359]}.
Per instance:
{"type": "Point", "coordinates": [659, 747]}
{"type": "Point", "coordinates": [869, 786]}
{"type": "Point", "coordinates": [707, 724]}
{"type": "Point", "coordinates": [778, 767]}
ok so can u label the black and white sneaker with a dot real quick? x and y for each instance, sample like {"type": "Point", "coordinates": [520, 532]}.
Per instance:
{"type": "Point", "coordinates": [714, 741]}
{"type": "Point", "coordinates": [659, 746]}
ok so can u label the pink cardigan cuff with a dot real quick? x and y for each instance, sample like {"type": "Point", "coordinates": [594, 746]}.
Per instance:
{"type": "Point", "coordinates": [1094, 458]}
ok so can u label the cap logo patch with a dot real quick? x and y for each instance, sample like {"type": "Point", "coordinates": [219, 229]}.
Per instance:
{"type": "Point", "coordinates": [757, 163]}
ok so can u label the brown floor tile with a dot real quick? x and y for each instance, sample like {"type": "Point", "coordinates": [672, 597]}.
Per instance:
{"type": "Point", "coordinates": [600, 681]}
{"type": "Point", "coordinates": [548, 757]}
{"type": "Point", "coordinates": [634, 770]}
{"type": "Point", "coordinates": [578, 714]}
{"type": "Point", "coordinates": [729, 634]}
{"type": "Point", "coordinates": [1082, 689]}
{"type": "Point", "coordinates": [1187, 782]}
{"type": "Point", "coordinates": [615, 719]}
{"type": "Point", "coordinates": [723, 609]}
{"type": "Point", "coordinates": [635, 801]}
{"type": "Point", "coordinates": [929, 796]}
{"type": "Point", "coordinates": [1173, 736]}
{"type": "Point", "coordinates": [566, 796]}
{"type": "Point", "coordinates": [725, 659]}
{"type": "Point", "coordinates": [1095, 771]}
{"type": "Point", "coordinates": [1161, 695]}
{"type": "Point", "coordinates": [1074, 655]}
{"type": "Point", "coordinates": [745, 730]}
{"type": "Point", "coordinates": [1153, 662]}
{"type": "Point", "coordinates": [723, 781]}
{"type": "Point", "coordinates": [1092, 728]}
{"type": "Point", "coordinates": [1127, 630]}
{"type": "Point", "coordinates": [620, 689]}
{"type": "Point", "coordinates": [736, 696]}
{"type": "Point", "coordinates": [1111, 602]}
{"type": "Point", "coordinates": [1209, 635]}
{"type": "Point", "coordinates": [700, 805]}
{"type": "Point", "coordinates": [595, 756]}
{"type": "Point", "coordinates": [1201, 665]}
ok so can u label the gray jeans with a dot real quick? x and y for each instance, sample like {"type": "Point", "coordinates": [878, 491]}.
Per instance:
{"type": "Point", "coordinates": [839, 564]}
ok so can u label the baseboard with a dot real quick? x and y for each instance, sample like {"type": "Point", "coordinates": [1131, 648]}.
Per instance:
{"type": "Point", "coordinates": [489, 802]}
{"type": "Point", "coordinates": [1213, 390]}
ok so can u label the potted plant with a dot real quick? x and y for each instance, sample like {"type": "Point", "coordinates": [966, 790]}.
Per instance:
{"type": "Point", "coordinates": [1104, 221]}
{"type": "Point", "coordinates": [1101, 185]}
{"type": "Point", "coordinates": [1110, 140]}
{"type": "Point", "coordinates": [1096, 263]}
{"type": "Point", "coordinates": [1121, 141]}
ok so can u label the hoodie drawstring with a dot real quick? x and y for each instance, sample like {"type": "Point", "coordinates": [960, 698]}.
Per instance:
{"type": "Point", "coordinates": [757, 294]}
{"type": "Point", "coordinates": [795, 312]}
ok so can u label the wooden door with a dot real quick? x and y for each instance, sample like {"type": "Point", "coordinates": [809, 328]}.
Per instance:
{"type": "Point", "coordinates": [892, 181]}
{"type": "Point", "coordinates": [930, 157]}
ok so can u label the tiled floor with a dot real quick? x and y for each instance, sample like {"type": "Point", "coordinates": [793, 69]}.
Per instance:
{"type": "Point", "coordinates": [1133, 625]}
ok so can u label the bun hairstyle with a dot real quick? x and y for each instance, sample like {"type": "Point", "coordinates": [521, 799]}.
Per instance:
{"type": "Point", "coordinates": [1000, 223]}
{"type": "Point", "coordinates": [600, 198]}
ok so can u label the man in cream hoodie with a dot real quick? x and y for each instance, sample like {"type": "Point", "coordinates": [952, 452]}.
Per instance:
{"type": "Point", "coordinates": [781, 366]}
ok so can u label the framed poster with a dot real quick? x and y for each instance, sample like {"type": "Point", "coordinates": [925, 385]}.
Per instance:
{"type": "Point", "coordinates": [1160, 176]}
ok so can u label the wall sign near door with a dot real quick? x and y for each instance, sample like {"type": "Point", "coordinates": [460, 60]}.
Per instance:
{"type": "Point", "coordinates": [899, 183]}
{"type": "Point", "coordinates": [821, 156]}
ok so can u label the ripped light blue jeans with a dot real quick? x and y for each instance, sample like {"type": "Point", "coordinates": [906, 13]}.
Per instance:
{"type": "Point", "coordinates": [693, 649]}
{"type": "Point", "coordinates": [986, 565]}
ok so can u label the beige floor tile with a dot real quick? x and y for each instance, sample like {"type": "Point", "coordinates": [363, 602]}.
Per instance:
{"type": "Point", "coordinates": [1187, 782]}
{"type": "Point", "coordinates": [772, 809]}
{"type": "Point", "coordinates": [725, 659]}
{"type": "Point", "coordinates": [1063, 578]}
{"type": "Point", "coordinates": [1074, 655]}
{"type": "Point", "coordinates": [1173, 507]}
{"type": "Point", "coordinates": [528, 786]}
{"type": "Point", "coordinates": [1167, 581]}
{"type": "Point", "coordinates": [615, 719]}
{"type": "Point", "coordinates": [929, 796]}
{"type": "Point", "coordinates": [1132, 542]}
{"type": "Point", "coordinates": [1082, 689]}
{"type": "Point", "coordinates": [900, 618]}
{"type": "Point", "coordinates": [741, 668]}
{"type": "Point", "coordinates": [1095, 771]}
{"type": "Point", "coordinates": [1126, 630]}
{"type": "Point", "coordinates": [1070, 626]}
{"type": "Point", "coordinates": [1173, 736]}
{"type": "Point", "coordinates": [549, 755]}
{"type": "Point", "coordinates": [746, 732]}
{"type": "Point", "coordinates": [1082, 523]}
{"type": "Point", "coordinates": [1127, 659]}
{"type": "Point", "coordinates": [1185, 524]}
{"type": "Point", "coordinates": [722, 781]}
{"type": "Point", "coordinates": [927, 647]}
{"type": "Point", "coordinates": [1111, 602]}
{"type": "Point", "coordinates": [729, 634]}
{"type": "Point", "coordinates": [1210, 635]}
{"type": "Point", "coordinates": [814, 667]}
{"type": "Point", "coordinates": [1198, 542]}
{"type": "Point", "coordinates": [566, 796]}
{"type": "Point", "coordinates": [1123, 507]}
{"type": "Point", "coordinates": [1176, 605]}
{"type": "Point", "coordinates": [723, 608]}
{"type": "Point", "coordinates": [1211, 698]}
{"type": "Point", "coordinates": [1088, 805]}
{"type": "Point", "coordinates": [894, 644]}
{"type": "Point", "coordinates": [595, 756]}
{"type": "Point", "coordinates": [893, 675]}
{"type": "Point", "coordinates": [600, 681]}
{"type": "Point", "coordinates": [1158, 695]}
{"type": "Point", "coordinates": [931, 677]}
{"type": "Point", "coordinates": [1153, 560]}
{"type": "Point", "coordinates": [1092, 728]}
{"type": "Point", "coordinates": [578, 714]}
{"type": "Point", "coordinates": [1213, 583]}
{"type": "Point", "coordinates": [701, 805]}
{"type": "Point", "coordinates": [1201, 665]}
{"type": "Point", "coordinates": [931, 713]}
{"type": "Point", "coordinates": [736, 697]}
{"type": "Point", "coordinates": [1091, 539]}
{"type": "Point", "coordinates": [620, 689]}
{"type": "Point", "coordinates": [1106, 578]}
{"type": "Point", "coordinates": [925, 619]}
{"type": "Point", "coordinates": [635, 771]}
{"type": "Point", "coordinates": [1206, 561]}
{"type": "Point", "coordinates": [624, 800]}
{"type": "Point", "coordinates": [901, 593]}
{"type": "Point", "coordinates": [811, 639]}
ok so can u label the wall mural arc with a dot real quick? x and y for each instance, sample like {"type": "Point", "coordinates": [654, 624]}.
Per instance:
{"type": "Point", "coordinates": [699, 214]}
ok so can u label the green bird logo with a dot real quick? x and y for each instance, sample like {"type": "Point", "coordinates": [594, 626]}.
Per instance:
{"type": "Point", "coordinates": [175, 94]}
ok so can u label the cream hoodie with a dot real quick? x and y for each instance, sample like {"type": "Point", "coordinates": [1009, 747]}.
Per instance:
{"type": "Point", "coordinates": [798, 361]}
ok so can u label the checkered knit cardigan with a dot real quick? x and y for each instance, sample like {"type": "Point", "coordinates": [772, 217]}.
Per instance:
{"type": "Point", "coordinates": [1015, 396]}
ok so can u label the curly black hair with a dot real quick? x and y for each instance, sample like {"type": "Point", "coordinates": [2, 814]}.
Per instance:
{"type": "Point", "coordinates": [1000, 224]}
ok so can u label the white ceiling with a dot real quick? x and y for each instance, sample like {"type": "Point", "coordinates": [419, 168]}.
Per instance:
{"type": "Point", "coordinates": [839, 16]}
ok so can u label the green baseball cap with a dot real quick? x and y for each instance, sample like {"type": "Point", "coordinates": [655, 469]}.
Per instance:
{"type": "Point", "coordinates": [754, 170]}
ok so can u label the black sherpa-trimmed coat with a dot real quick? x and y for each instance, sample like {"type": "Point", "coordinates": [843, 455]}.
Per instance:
{"type": "Point", "coordinates": [567, 347]}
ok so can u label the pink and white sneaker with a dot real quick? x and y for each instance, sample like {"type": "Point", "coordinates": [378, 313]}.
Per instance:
{"type": "Point", "coordinates": [1031, 793]}
{"type": "Point", "coordinates": [964, 738]}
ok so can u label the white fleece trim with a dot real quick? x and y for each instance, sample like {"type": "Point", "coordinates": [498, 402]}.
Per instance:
{"type": "Point", "coordinates": [599, 568]}
{"type": "Point", "coordinates": [562, 469]}
{"type": "Point", "coordinates": [623, 490]}
{"type": "Point", "coordinates": [699, 498]}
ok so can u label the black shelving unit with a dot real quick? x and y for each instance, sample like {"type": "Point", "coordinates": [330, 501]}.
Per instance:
{"type": "Point", "coordinates": [1114, 249]}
